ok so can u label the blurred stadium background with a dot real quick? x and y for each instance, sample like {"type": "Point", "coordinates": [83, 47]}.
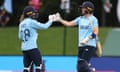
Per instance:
{"type": "Point", "coordinates": [61, 49]}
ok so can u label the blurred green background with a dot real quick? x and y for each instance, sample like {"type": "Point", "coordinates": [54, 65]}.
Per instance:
{"type": "Point", "coordinates": [50, 41]}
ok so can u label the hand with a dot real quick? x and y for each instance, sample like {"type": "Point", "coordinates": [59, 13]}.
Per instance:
{"type": "Point", "coordinates": [58, 17]}
{"type": "Point", "coordinates": [54, 17]}
{"type": "Point", "coordinates": [85, 41]}
{"type": "Point", "coordinates": [51, 17]}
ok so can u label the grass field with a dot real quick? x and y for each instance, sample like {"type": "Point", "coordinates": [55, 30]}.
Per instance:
{"type": "Point", "coordinates": [50, 41]}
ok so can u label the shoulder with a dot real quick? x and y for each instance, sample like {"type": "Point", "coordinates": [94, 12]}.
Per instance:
{"type": "Point", "coordinates": [21, 23]}
{"type": "Point", "coordinates": [30, 21]}
{"type": "Point", "coordinates": [26, 21]}
{"type": "Point", "coordinates": [33, 21]}
{"type": "Point", "coordinates": [94, 18]}
{"type": "Point", "coordinates": [80, 17]}
{"type": "Point", "coordinates": [77, 18]}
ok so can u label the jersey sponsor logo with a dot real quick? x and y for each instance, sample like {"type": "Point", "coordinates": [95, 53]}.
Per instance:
{"type": "Point", "coordinates": [84, 27]}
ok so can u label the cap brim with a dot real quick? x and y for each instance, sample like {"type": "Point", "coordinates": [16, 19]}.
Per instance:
{"type": "Point", "coordinates": [81, 6]}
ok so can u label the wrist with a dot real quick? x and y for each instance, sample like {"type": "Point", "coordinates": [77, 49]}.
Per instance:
{"type": "Point", "coordinates": [93, 35]}
{"type": "Point", "coordinates": [50, 21]}
{"type": "Point", "coordinates": [61, 20]}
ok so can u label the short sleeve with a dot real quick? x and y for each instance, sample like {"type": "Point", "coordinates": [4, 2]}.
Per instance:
{"type": "Point", "coordinates": [95, 23]}
{"type": "Point", "coordinates": [77, 20]}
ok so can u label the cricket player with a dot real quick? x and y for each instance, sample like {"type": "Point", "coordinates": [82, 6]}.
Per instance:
{"type": "Point", "coordinates": [28, 35]}
{"type": "Point", "coordinates": [88, 31]}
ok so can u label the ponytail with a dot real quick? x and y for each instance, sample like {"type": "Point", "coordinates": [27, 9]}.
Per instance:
{"type": "Point", "coordinates": [21, 17]}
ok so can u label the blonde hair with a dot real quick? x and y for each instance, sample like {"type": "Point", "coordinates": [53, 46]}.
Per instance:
{"type": "Point", "coordinates": [21, 18]}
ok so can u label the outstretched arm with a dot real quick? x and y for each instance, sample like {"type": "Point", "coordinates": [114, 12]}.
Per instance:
{"type": "Point", "coordinates": [64, 22]}
{"type": "Point", "coordinates": [67, 23]}
{"type": "Point", "coordinates": [46, 25]}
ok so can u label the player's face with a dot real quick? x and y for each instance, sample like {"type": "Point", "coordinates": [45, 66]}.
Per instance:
{"type": "Point", "coordinates": [83, 11]}
{"type": "Point", "coordinates": [35, 15]}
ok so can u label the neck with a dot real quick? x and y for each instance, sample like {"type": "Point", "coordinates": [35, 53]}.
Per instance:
{"type": "Point", "coordinates": [87, 15]}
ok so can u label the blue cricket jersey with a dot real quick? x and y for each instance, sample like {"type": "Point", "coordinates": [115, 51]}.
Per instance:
{"type": "Point", "coordinates": [86, 25]}
{"type": "Point", "coordinates": [28, 32]}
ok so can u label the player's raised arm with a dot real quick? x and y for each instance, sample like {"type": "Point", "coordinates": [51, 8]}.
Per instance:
{"type": "Point", "coordinates": [65, 22]}
{"type": "Point", "coordinates": [38, 25]}
{"type": "Point", "coordinates": [46, 25]}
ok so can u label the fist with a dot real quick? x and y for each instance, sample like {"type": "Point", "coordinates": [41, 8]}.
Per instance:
{"type": "Point", "coordinates": [58, 17]}
{"type": "Point", "coordinates": [52, 17]}
{"type": "Point", "coordinates": [55, 17]}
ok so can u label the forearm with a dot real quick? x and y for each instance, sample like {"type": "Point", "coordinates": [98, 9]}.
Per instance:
{"type": "Point", "coordinates": [46, 25]}
{"type": "Point", "coordinates": [38, 25]}
{"type": "Point", "coordinates": [64, 22]}
{"type": "Point", "coordinates": [67, 23]}
{"type": "Point", "coordinates": [94, 33]}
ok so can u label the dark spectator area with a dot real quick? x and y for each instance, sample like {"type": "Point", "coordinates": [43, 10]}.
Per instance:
{"type": "Point", "coordinates": [52, 6]}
